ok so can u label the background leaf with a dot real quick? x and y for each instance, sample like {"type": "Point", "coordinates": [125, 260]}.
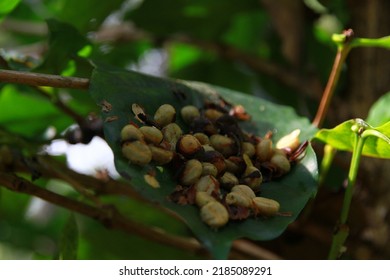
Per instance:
{"type": "Point", "coordinates": [342, 138]}
{"type": "Point", "coordinates": [121, 89]}
{"type": "Point", "coordinates": [28, 114]}
{"type": "Point", "coordinates": [69, 240]}
{"type": "Point", "coordinates": [7, 6]}
{"type": "Point", "coordinates": [380, 112]}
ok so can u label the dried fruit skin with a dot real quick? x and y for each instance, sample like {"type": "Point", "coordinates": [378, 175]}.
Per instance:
{"type": "Point", "coordinates": [214, 214]}
{"type": "Point", "coordinates": [137, 152]}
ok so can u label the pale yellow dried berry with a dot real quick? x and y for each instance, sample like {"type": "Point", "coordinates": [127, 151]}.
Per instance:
{"type": "Point", "coordinates": [191, 172]}
{"type": "Point", "coordinates": [160, 155]}
{"type": "Point", "coordinates": [214, 214]}
{"type": "Point", "coordinates": [151, 181]}
{"type": "Point", "coordinates": [207, 184]}
{"type": "Point", "coordinates": [172, 132]}
{"type": "Point", "coordinates": [281, 162]}
{"type": "Point", "coordinates": [289, 141]}
{"type": "Point", "coordinates": [209, 169]}
{"type": "Point", "coordinates": [264, 150]}
{"type": "Point", "coordinates": [202, 198]}
{"type": "Point", "coordinates": [137, 152]}
{"type": "Point", "coordinates": [202, 138]}
{"type": "Point", "coordinates": [228, 180]}
{"type": "Point", "coordinates": [252, 176]}
{"type": "Point", "coordinates": [265, 206]}
{"type": "Point", "coordinates": [212, 114]}
{"type": "Point", "coordinates": [223, 144]}
{"type": "Point", "coordinates": [165, 115]}
{"type": "Point", "coordinates": [131, 133]}
{"type": "Point", "coordinates": [151, 134]}
{"type": "Point", "coordinates": [244, 190]}
{"type": "Point", "coordinates": [248, 148]}
{"type": "Point", "coordinates": [236, 198]}
{"type": "Point", "coordinates": [189, 113]}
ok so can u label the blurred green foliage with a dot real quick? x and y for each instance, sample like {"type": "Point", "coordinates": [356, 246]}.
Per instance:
{"type": "Point", "coordinates": [47, 36]}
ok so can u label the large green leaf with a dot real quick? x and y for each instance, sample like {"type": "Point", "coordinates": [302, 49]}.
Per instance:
{"type": "Point", "coordinates": [343, 138]}
{"type": "Point", "coordinates": [122, 88]}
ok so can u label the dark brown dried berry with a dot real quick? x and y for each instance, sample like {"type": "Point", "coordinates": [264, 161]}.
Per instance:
{"type": "Point", "coordinates": [188, 145]}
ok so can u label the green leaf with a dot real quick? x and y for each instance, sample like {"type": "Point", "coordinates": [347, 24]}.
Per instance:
{"type": "Point", "coordinates": [121, 89]}
{"type": "Point", "coordinates": [65, 42]}
{"type": "Point", "coordinates": [379, 112]}
{"type": "Point", "coordinates": [342, 138]}
{"type": "Point", "coordinates": [87, 15]}
{"type": "Point", "coordinates": [202, 19]}
{"type": "Point", "coordinates": [6, 6]}
{"type": "Point", "coordinates": [69, 240]}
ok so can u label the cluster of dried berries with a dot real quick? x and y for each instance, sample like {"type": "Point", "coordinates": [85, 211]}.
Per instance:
{"type": "Point", "coordinates": [218, 167]}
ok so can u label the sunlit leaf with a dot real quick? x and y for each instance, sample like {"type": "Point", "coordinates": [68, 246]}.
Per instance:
{"type": "Point", "coordinates": [121, 89]}
{"type": "Point", "coordinates": [343, 138]}
{"type": "Point", "coordinates": [380, 111]}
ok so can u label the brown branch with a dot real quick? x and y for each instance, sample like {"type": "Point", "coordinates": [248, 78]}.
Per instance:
{"type": "Point", "coordinates": [35, 79]}
{"type": "Point", "coordinates": [107, 215]}
{"type": "Point", "coordinates": [47, 167]}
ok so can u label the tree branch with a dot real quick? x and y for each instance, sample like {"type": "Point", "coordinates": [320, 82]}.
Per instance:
{"type": "Point", "coordinates": [35, 79]}
{"type": "Point", "coordinates": [108, 215]}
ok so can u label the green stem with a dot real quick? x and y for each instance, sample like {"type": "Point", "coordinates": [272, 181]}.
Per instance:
{"type": "Point", "coordinates": [383, 42]}
{"type": "Point", "coordinates": [342, 231]}
{"type": "Point", "coordinates": [353, 170]}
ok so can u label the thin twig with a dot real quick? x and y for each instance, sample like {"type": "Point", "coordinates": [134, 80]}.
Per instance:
{"type": "Point", "coordinates": [46, 165]}
{"type": "Point", "coordinates": [35, 79]}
